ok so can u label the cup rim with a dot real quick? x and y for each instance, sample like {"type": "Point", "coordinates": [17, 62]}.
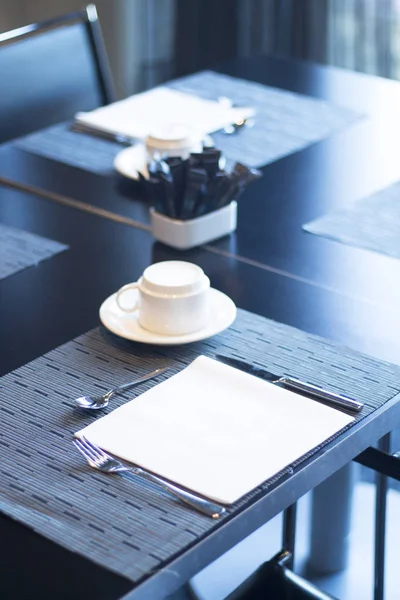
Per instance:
{"type": "Point", "coordinates": [189, 138]}
{"type": "Point", "coordinates": [190, 288]}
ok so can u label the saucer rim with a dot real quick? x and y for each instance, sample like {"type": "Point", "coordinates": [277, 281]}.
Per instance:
{"type": "Point", "coordinates": [127, 151]}
{"type": "Point", "coordinates": [173, 340]}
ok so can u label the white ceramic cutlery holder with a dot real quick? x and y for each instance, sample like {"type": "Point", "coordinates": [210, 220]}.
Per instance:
{"type": "Point", "coordinates": [194, 232]}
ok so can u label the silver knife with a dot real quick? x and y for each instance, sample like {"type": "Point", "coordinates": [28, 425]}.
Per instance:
{"type": "Point", "coordinates": [291, 383]}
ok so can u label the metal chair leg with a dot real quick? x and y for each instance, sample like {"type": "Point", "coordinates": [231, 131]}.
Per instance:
{"type": "Point", "coordinates": [380, 524]}
{"type": "Point", "coordinates": [289, 533]}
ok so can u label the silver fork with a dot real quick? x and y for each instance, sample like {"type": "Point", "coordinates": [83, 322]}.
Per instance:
{"type": "Point", "coordinates": [98, 459]}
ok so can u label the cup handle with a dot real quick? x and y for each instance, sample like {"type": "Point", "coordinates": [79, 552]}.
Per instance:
{"type": "Point", "coordinates": [125, 288]}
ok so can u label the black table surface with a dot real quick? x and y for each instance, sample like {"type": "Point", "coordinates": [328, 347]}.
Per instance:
{"type": "Point", "coordinates": [357, 161]}
{"type": "Point", "coordinates": [269, 266]}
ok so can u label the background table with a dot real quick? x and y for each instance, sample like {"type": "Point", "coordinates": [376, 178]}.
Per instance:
{"type": "Point", "coordinates": [270, 267]}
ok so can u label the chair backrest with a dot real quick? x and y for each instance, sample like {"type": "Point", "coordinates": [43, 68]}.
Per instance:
{"type": "Point", "coordinates": [273, 581]}
{"type": "Point", "coordinates": [51, 70]}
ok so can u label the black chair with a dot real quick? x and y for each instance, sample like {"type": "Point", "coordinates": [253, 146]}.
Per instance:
{"type": "Point", "coordinates": [274, 581]}
{"type": "Point", "coordinates": [52, 70]}
{"type": "Point", "coordinates": [385, 464]}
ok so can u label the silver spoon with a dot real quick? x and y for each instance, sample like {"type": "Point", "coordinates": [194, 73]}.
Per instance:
{"type": "Point", "coordinates": [240, 122]}
{"type": "Point", "coordinates": [237, 125]}
{"type": "Point", "coordinates": [97, 402]}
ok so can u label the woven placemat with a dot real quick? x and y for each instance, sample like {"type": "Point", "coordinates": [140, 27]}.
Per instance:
{"type": "Point", "coordinates": [20, 249]}
{"type": "Point", "coordinates": [286, 122]}
{"type": "Point", "coordinates": [127, 524]}
{"type": "Point", "coordinates": [372, 223]}
{"type": "Point", "coordinates": [62, 144]}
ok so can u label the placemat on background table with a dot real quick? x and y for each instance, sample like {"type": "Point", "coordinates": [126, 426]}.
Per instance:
{"type": "Point", "coordinates": [285, 122]}
{"type": "Point", "coordinates": [72, 148]}
{"type": "Point", "coordinates": [372, 223]}
{"type": "Point", "coordinates": [21, 249]}
{"type": "Point", "coordinates": [47, 485]}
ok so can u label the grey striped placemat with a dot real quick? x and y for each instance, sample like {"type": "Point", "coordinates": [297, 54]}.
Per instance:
{"type": "Point", "coordinates": [72, 148]}
{"type": "Point", "coordinates": [127, 524]}
{"type": "Point", "coordinates": [21, 249]}
{"type": "Point", "coordinates": [372, 223]}
{"type": "Point", "coordinates": [286, 122]}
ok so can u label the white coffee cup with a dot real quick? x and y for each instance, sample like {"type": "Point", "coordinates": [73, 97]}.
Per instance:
{"type": "Point", "coordinates": [171, 298]}
{"type": "Point", "coordinates": [173, 139]}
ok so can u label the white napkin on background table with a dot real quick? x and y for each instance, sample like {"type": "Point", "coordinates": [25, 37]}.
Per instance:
{"type": "Point", "coordinates": [137, 115]}
{"type": "Point", "coordinates": [216, 430]}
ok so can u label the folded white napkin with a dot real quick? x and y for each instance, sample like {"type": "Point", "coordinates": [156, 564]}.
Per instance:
{"type": "Point", "coordinates": [138, 115]}
{"type": "Point", "coordinates": [215, 430]}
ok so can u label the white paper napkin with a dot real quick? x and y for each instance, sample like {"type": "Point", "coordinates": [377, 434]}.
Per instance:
{"type": "Point", "coordinates": [137, 115]}
{"type": "Point", "coordinates": [216, 430]}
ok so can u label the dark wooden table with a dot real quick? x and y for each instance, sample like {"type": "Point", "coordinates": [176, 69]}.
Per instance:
{"type": "Point", "coordinates": [270, 267]}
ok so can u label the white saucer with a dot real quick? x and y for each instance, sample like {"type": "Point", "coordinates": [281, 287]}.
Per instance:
{"type": "Point", "coordinates": [132, 160]}
{"type": "Point", "coordinates": [223, 311]}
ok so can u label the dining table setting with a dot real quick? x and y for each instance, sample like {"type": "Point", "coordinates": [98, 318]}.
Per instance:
{"type": "Point", "coordinates": [200, 320]}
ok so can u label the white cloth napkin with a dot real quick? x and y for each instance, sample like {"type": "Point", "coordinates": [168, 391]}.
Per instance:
{"type": "Point", "coordinates": [138, 115]}
{"type": "Point", "coordinates": [215, 430]}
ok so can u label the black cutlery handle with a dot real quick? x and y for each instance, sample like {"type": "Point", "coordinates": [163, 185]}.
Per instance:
{"type": "Point", "coordinates": [103, 135]}
{"type": "Point", "coordinates": [319, 393]}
